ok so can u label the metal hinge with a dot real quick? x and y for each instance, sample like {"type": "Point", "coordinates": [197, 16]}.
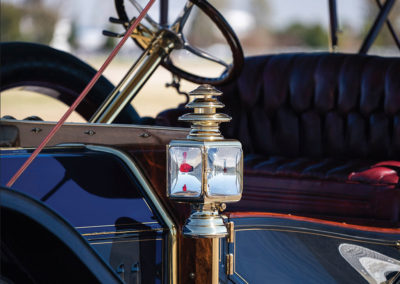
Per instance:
{"type": "Point", "coordinates": [230, 240]}
{"type": "Point", "coordinates": [231, 232]}
{"type": "Point", "coordinates": [229, 264]}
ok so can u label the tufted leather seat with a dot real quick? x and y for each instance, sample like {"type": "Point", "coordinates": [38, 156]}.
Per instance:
{"type": "Point", "coordinates": [321, 133]}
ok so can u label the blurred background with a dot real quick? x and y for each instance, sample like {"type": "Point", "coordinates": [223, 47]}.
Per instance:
{"type": "Point", "coordinates": [263, 26]}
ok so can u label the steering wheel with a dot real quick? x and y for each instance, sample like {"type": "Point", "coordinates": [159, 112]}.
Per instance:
{"type": "Point", "coordinates": [143, 35]}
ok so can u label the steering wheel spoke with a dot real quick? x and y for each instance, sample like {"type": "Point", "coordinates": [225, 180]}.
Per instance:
{"type": "Point", "coordinates": [205, 55]}
{"type": "Point", "coordinates": [180, 22]}
{"type": "Point", "coordinates": [139, 8]}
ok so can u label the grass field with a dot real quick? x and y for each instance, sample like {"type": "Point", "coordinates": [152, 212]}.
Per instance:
{"type": "Point", "coordinates": [153, 98]}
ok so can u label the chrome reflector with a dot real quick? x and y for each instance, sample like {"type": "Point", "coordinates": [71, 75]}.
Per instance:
{"type": "Point", "coordinates": [373, 266]}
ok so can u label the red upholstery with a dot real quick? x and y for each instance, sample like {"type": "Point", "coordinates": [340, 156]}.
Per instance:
{"type": "Point", "coordinates": [385, 172]}
{"type": "Point", "coordinates": [317, 130]}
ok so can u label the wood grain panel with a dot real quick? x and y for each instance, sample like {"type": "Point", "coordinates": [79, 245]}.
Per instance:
{"type": "Point", "coordinates": [32, 133]}
{"type": "Point", "coordinates": [194, 254]}
{"type": "Point", "coordinates": [147, 146]}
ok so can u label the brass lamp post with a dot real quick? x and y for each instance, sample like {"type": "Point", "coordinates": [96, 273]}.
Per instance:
{"type": "Point", "coordinates": [205, 170]}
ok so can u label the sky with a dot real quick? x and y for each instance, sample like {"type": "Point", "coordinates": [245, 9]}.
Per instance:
{"type": "Point", "coordinates": [350, 11]}
{"type": "Point", "coordinates": [91, 16]}
{"type": "Point", "coordinates": [312, 11]}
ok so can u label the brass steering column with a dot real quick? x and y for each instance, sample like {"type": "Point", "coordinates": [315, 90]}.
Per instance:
{"type": "Point", "coordinates": [160, 47]}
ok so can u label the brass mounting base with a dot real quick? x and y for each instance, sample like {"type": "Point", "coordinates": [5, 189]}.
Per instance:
{"type": "Point", "coordinates": [205, 222]}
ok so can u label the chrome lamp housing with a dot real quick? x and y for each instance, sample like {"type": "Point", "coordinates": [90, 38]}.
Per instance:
{"type": "Point", "coordinates": [205, 170]}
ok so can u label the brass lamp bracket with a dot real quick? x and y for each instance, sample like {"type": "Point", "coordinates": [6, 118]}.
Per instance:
{"type": "Point", "coordinates": [206, 171]}
{"type": "Point", "coordinates": [204, 222]}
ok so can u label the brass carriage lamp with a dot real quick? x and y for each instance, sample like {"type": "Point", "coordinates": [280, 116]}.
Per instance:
{"type": "Point", "coordinates": [205, 170]}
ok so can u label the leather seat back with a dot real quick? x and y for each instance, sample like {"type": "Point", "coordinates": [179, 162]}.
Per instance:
{"type": "Point", "coordinates": [316, 105]}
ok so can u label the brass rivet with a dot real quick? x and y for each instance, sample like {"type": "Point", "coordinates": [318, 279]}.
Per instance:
{"type": "Point", "coordinates": [36, 130]}
{"type": "Point", "coordinates": [90, 132]}
{"type": "Point", "coordinates": [145, 135]}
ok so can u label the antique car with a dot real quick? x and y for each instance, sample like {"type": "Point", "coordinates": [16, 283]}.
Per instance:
{"type": "Point", "coordinates": [310, 194]}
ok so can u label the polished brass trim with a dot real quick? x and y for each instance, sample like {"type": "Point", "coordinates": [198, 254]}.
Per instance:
{"type": "Point", "coordinates": [241, 277]}
{"type": "Point", "coordinates": [231, 232]}
{"type": "Point", "coordinates": [147, 204]}
{"type": "Point", "coordinates": [205, 120]}
{"type": "Point", "coordinates": [204, 222]}
{"type": "Point", "coordinates": [126, 90]}
{"type": "Point", "coordinates": [143, 35]}
{"type": "Point", "coordinates": [113, 225]}
{"type": "Point", "coordinates": [220, 253]}
{"type": "Point", "coordinates": [377, 242]}
{"type": "Point", "coordinates": [172, 261]}
{"type": "Point", "coordinates": [160, 47]}
{"type": "Point", "coordinates": [127, 241]}
{"type": "Point", "coordinates": [234, 260]}
{"type": "Point", "coordinates": [50, 124]}
{"type": "Point", "coordinates": [121, 232]}
{"type": "Point", "coordinates": [9, 148]}
{"type": "Point", "coordinates": [105, 134]}
{"type": "Point", "coordinates": [215, 261]}
{"type": "Point", "coordinates": [4, 150]}
{"type": "Point", "coordinates": [229, 264]}
{"type": "Point", "coordinates": [108, 238]}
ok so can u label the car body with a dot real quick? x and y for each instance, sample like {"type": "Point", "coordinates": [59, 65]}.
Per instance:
{"type": "Point", "coordinates": [320, 202]}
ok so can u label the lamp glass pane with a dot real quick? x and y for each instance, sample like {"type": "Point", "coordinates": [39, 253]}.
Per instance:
{"type": "Point", "coordinates": [224, 171]}
{"type": "Point", "coordinates": [185, 168]}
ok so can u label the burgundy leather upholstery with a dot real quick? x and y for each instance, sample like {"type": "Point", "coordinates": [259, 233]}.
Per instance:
{"type": "Point", "coordinates": [317, 105]}
{"type": "Point", "coordinates": [314, 128]}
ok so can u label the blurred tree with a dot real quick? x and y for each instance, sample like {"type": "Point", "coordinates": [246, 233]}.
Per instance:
{"type": "Point", "coordinates": [299, 34]}
{"type": "Point", "coordinates": [10, 16]}
{"type": "Point", "coordinates": [28, 22]}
